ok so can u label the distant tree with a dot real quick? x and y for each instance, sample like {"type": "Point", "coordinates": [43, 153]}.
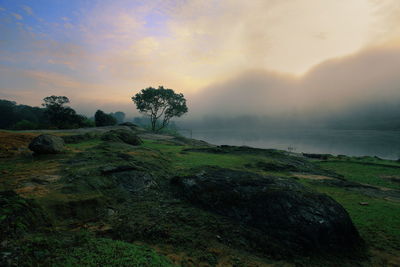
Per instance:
{"type": "Point", "coordinates": [62, 116]}
{"type": "Point", "coordinates": [160, 105]}
{"type": "Point", "coordinates": [25, 125]}
{"type": "Point", "coordinates": [56, 112]}
{"type": "Point", "coordinates": [55, 101]}
{"type": "Point", "coordinates": [11, 114]}
{"type": "Point", "coordinates": [119, 116]}
{"type": "Point", "coordinates": [8, 115]}
{"type": "Point", "coordinates": [141, 121]}
{"type": "Point", "coordinates": [88, 122]}
{"type": "Point", "coordinates": [33, 114]}
{"type": "Point", "coordinates": [103, 119]}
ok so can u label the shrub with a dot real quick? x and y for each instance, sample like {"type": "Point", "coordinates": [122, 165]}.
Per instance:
{"type": "Point", "coordinates": [25, 125]}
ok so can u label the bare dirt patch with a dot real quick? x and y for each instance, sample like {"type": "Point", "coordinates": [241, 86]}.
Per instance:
{"type": "Point", "coordinates": [312, 176]}
{"type": "Point", "coordinates": [37, 186]}
{"type": "Point", "coordinates": [392, 178]}
{"type": "Point", "coordinates": [382, 258]}
{"type": "Point", "coordinates": [12, 144]}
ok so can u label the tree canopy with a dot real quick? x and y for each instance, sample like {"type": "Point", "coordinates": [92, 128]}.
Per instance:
{"type": "Point", "coordinates": [13, 114]}
{"type": "Point", "coordinates": [53, 115]}
{"type": "Point", "coordinates": [104, 119]}
{"type": "Point", "coordinates": [161, 105]}
{"type": "Point", "coordinates": [61, 116]}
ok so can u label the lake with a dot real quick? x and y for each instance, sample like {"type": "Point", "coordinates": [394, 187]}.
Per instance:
{"type": "Point", "coordinates": [384, 144]}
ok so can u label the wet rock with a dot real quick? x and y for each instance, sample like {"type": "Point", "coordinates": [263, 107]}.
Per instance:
{"type": "Point", "coordinates": [47, 144]}
{"type": "Point", "coordinates": [78, 207]}
{"type": "Point", "coordinates": [302, 220]}
{"type": "Point", "coordinates": [121, 168]}
{"type": "Point", "coordinates": [134, 181]}
{"type": "Point", "coordinates": [122, 135]}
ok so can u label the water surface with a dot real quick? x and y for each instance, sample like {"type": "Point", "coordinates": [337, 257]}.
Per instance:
{"type": "Point", "coordinates": [384, 144]}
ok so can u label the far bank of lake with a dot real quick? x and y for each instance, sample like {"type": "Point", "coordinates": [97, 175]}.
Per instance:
{"type": "Point", "coordinates": [383, 144]}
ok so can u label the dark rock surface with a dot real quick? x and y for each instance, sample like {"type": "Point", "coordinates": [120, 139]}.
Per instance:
{"type": "Point", "coordinates": [47, 144]}
{"type": "Point", "coordinates": [120, 168]}
{"type": "Point", "coordinates": [317, 156]}
{"type": "Point", "coordinates": [302, 220]}
{"type": "Point", "coordinates": [134, 181]}
{"type": "Point", "coordinates": [122, 135]}
{"type": "Point", "coordinates": [129, 124]}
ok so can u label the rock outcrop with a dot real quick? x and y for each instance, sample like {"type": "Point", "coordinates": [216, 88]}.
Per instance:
{"type": "Point", "coordinates": [122, 135]}
{"type": "Point", "coordinates": [47, 144]}
{"type": "Point", "coordinates": [302, 220]}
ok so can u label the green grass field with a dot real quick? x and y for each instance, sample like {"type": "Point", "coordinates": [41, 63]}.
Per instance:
{"type": "Point", "coordinates": [177, 233]}
{"type": "Point", "coordinates": [378, 223]}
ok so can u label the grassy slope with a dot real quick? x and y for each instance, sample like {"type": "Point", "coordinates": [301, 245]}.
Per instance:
{"type": "Point", "coordinates": [378, 223]}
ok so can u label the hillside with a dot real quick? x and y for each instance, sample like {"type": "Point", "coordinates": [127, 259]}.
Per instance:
{"type": "Point", "coordinates": [173, 201]}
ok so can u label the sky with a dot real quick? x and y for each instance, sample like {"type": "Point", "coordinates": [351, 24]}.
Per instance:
{"type": "Point", "coordinates": [276, 55]}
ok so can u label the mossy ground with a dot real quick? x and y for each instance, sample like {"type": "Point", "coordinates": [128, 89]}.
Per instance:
{"type": "Point", "coordinates": [90, 200]}
{"type": "Point", "coordinates": [83, 249]}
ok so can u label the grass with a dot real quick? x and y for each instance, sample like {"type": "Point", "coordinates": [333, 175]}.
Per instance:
{"type": "Point", "coordinates": [158, 220]}
{"type": "Point", "coordinates": [186, 160]}
{"type": "Point", "coordinates": [83, 249]}
{"type": "Point", "coordinates": [83, 145]}
{"type": "Point", "coordinates": [378, 222]}
{"type": "Point", "coordinates": [364, 173]}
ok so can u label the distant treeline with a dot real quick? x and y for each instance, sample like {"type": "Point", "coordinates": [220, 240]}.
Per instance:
{"type": "Point", "coordinates": [53, 115]}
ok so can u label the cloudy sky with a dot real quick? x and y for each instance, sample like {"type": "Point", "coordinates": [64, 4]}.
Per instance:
{"type": "Point", "coordinates": [299, 54]}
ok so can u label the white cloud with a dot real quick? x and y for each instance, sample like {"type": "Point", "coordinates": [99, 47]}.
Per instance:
{"type": "Point", "coordinates": [199, 42]}
{"type": "Point", "coordinates": [27, 9]}
{"type": "Point", "coordinates": [17, 16]}
{"type": "Point", "coordinates": [68, 26]}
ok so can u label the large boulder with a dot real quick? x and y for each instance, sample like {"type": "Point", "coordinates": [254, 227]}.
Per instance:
{"type": "Point", "coordinates": [47, 144]}
{"type": "Point", "coordinates": [122, 135]}
{"type": "Point", "coordinates": [302, 220]}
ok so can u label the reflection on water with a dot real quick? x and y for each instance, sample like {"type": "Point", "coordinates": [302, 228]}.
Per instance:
{"type": "Point", "coordinates": [384, 144]}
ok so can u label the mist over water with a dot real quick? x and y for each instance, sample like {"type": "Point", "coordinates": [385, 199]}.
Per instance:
{"type": "Point", "coordinates": [348, 105]}
{"type": "Point", "coordinates": [383, 144]}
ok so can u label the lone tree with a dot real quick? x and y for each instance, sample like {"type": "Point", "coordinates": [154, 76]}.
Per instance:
{"type": "Point", "coordinates": [161, 105]}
